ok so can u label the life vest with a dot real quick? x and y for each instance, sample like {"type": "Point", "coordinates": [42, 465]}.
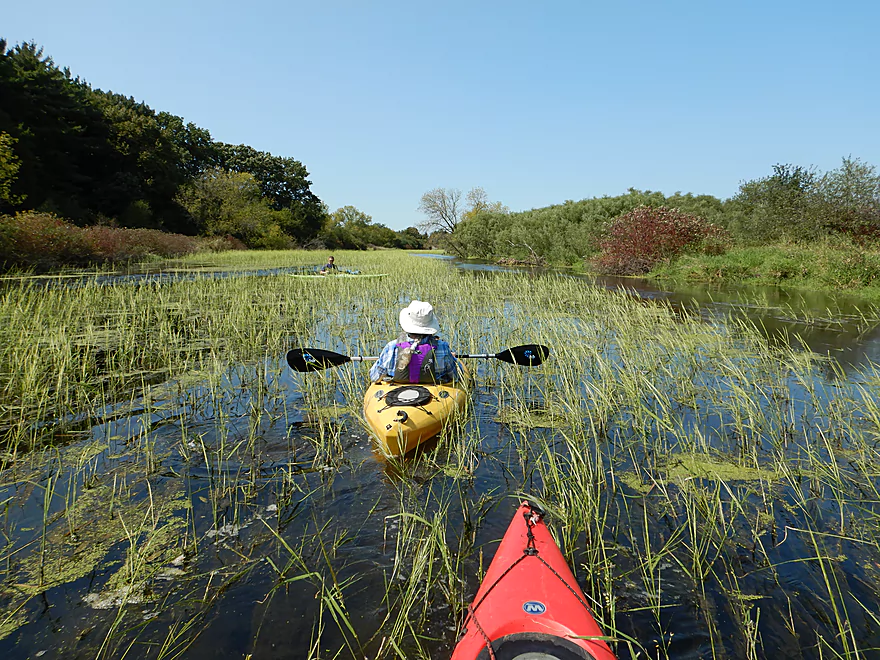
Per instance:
{"type": "Point", "coordinates": [415, 363]}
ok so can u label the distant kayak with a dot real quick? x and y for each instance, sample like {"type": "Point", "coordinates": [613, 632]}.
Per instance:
{"type": "Point", "coordinates": [317, 276]}
{"type": "Point", "coordinates": [529, 605]}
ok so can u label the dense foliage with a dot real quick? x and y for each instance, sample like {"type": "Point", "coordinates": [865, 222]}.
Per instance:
{"type": "Point", "coordinates": [798, 204]}
{"type": "Point", "coordinates": [9, 166]}
{"type": "Point", "coordinates": [566, 233]}
{"type": "Point", "coordinates": [223, 203]}
{"type": "Point", "coordinates": [637, 241]}
{"type": "Point", "coordinates": [351, 229]}
{"type": "Point", "coordinates": [98, 157]}
{"type": "Point", "coordinates": [794, 204]}
{"type": "Point", "coordinates": [95, 157]}
{"type": "Point", "coordinates": [42, 241]}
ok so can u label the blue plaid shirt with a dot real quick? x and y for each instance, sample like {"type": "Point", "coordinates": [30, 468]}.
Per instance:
{"type": "Point", "coordinates": [446, 365]}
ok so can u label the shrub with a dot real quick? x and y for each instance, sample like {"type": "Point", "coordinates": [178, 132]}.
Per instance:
{"type": "Point", "coordinates": [853, 268]}
{"type": "Point", "coordinates": [220, 243]}
{"type": "Point", "coordinates": [42, 240]}
{"type": "Point", "coordinates": [110, 244]}
{"type": "Point", "coordinates": [140, 242]}
{"type": "Point", "coordinates": [638, 240]}
{"type": "Point", "coordinates": [272, 238]}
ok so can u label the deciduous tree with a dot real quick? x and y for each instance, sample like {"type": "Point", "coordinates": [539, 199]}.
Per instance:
{"type": "Point", "coordinates": [445, 214]}
{"type": "Point", "coordinates": [783, 205]}
{"type": "Point", "coordinates": [851, 199]}
{"type": "Point", "coordinates": [9, 165]}
{"type": "Point", "coordinates": [230, 204]}
{"type": "Point", "coordinates": [442, 209]}
{"type": "Point", "coordinates": [283, 182]}
{"type": "Point", "coordinates": [351, 228]}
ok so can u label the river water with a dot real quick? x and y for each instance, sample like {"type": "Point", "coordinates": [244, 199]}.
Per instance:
{"type": "Point", "coordinates": [230, 601]}
{"type": "Point", "coordinates": [832, 324]}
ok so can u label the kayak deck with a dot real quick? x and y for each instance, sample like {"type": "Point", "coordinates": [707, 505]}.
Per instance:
{"type": "Point", "coordinates": [529, 605]}
{"type": "Point", "coordinates": [402, 417]}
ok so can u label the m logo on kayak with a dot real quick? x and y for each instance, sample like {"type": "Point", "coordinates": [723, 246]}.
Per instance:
{"type": "Point", "coordinates": [534, 607]}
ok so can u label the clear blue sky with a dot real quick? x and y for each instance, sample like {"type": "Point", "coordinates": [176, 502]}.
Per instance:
{"type": "Point", "coordinates": [537, 102]}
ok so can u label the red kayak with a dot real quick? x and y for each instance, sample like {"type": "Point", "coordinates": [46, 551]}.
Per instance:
{"type": "Point", "coordinates": [529, 605]}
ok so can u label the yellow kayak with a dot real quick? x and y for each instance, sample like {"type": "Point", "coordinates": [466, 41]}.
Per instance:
{"type": "Point", "coordinates": [404, 416]}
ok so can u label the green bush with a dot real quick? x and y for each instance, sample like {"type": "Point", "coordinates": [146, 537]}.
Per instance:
{"type": "Point", "coordinates": [838, 263]}
{"type": "Point", "coordinates": [853, 268]}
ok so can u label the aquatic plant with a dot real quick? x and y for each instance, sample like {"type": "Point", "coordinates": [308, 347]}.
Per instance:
{"type": "Point", "coordinates": [711, 488]}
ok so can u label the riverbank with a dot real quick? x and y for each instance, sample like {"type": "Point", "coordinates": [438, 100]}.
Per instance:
{"type": "Point", "coordinates": [45, 243]}
{"type": "Point", "coordinates": [826, 266]}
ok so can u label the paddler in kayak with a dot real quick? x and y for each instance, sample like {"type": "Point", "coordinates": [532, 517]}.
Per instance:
{"type": "Point", "coordinates": [417, 355]}
{"type": "Point", "coordinates": [329, 268]}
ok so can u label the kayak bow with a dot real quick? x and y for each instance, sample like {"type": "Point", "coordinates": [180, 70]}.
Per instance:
{"type": "Point", "coordinates": [529, 604]}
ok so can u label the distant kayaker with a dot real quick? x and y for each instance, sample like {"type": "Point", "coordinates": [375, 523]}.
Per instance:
{"type": "Point", "coordinates": [417, 355]}
{"type": "Point", "coordinates": [330, 267]}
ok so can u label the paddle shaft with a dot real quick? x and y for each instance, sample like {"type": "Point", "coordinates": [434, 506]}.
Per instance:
{"type": "Point", "coordinates": [364, 358]}
{"type": "Point", "coordinates": [314, 359]}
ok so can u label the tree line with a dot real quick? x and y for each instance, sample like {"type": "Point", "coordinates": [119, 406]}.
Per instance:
{"type": "Point", "coordinates": [100, 158]}
{"type": "Point", "coordinates": [792, 204]}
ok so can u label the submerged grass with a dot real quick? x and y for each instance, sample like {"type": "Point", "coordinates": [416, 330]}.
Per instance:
{"type": "Point", "coordinates": [162, 470]}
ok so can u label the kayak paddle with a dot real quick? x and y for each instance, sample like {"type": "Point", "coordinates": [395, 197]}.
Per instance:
{"type": "Point", "coordinates": [527, 355]}
{"type": "Point", "coordinates": [315, 359]}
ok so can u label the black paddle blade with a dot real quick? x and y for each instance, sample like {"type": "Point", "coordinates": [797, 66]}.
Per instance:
{"type": "Point", "coordinates": [314, 359]}
{"type": "Point", "coordinates": [530, 355]}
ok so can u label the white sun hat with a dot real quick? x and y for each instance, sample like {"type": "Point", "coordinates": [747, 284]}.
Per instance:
{"type": "Point", "coordinates": [419, 319]}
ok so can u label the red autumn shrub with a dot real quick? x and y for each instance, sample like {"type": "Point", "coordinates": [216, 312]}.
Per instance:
{"type": "Point", "coordinates": [636, 241]}
{"type": "Point", "coordinates": [221, 243]}
{"type": "Point", "coordinates": [111, 244]}
{"type": "Point", "coordinates": [165, 244]}
{"type": "Point", "coordinates": [42, 240]}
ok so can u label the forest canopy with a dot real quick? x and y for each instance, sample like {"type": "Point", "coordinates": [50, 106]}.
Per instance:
{"type": "Point", "coordinates": [96, 157]}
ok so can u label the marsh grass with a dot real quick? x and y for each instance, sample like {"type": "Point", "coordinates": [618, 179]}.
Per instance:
{"type": "Point", "coordinates": [714, 492]}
